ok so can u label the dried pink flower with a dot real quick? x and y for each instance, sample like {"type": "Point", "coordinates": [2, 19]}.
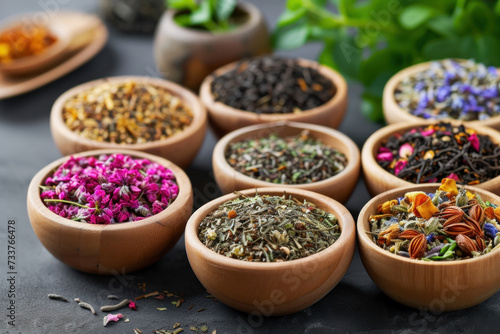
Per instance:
{"type": "Point", "coordinates": [399, 166]}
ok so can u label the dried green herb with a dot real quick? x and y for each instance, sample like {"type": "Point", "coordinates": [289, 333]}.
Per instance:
{"type": "Point", "coordinates": [268, 229]}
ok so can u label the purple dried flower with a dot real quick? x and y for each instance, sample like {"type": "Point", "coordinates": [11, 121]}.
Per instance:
{"type": "Point", "coordinates": [490, 230]}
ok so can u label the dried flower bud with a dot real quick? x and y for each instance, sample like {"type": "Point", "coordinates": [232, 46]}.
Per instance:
{"type": "Point", "coordinates": [231, 214]}
{"type": "Point", "coordinates": [418, 246]}
{"type": "Point", "coordinates": [466, 245]}
{"type": "Point", "coordinates": [409, 234]}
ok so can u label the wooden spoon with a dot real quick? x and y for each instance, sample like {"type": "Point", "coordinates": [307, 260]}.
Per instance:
{"type": "Point", "coordinates": [70, 34]}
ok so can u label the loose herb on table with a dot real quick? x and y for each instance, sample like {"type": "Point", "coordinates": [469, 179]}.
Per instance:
{"type": "Point", "coordinates": [297, 159]}
{"type": "Point", "coordinates": [126, 113]}
{"type": "Point", "coordinates": [451, 224]}
{"type": "Point", "coordinates": [268, 229]}
{"type": "Point", "coordinates": [428, 154]}
{"type": "Point", "coordinates": [272, 85]}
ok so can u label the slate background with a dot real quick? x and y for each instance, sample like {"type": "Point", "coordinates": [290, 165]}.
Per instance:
{"type": "Point", "coordinates": [355, 305]}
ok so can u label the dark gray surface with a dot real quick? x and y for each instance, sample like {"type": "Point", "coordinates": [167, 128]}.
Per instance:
{"type": "Point", "coordinates": [355, 305]}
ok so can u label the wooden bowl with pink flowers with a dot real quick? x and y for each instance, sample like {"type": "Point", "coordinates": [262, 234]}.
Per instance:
{"type": "Point", "coordinates": [379, 179]}
{"type": "Point", "coordinates": [108, 211]}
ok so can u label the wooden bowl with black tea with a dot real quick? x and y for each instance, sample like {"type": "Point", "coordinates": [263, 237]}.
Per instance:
{"type": "Point", "coordinates": [379, 180]}
{"type": "Point", "coordinates": [437, 286]}
{"type": "Point", "coordinates": [338, 186]}
{"type": "Point", "coordinates": [153, 129]}
{"type": "Point", "coordinates": [116, 247]}
{"type": "Point", "coordinates": [284, 287]}
{"type": "Point", "coordinates": [224, 118]}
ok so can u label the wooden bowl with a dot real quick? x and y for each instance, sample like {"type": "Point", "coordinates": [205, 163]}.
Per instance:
{"type": "Point", "coordinates": [119, 247]}
{"type": "Point", "coordinates": [393, 113]}
{"type": "Point", "coordinates": [272, 288]}
{"type": "Point", "coordinates": [180, 148]}
{"type": "Point", "coordinates": [224, 118]}
{"type": "Point", "coordinates": [378, 180]}
{"type": "Point", "coordinates": [435, 286]}
{"type": "Point", "coordinates": [338, 187]}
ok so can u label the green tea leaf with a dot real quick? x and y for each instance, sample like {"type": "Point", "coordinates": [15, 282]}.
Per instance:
{"type": "Point", "coordinates": [291, 37]}
{"type": "Point", "coordinates": [183, 20]}
{"type": "Point", "coordinates": [294, 5]}
{"type": "Point", "coordinates": [182, 4]}
{"type": "Point", "coordinates": [416, 15]}
{"type": "Point", "coordinates": [224, 9]}
{"type": "Point", "coordinates": [288, 17]}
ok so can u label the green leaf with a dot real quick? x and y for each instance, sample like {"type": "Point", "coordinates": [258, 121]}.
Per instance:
{"type": "Point", "coordinates": [183, 20]}
{"type": "Point", "coordinates": [347, 56]}
{"type": "Point", "coordinates": [442, 25]}
{"type": "Point", "coordinates": [203, 14]}
{"type": "Point", "coordinates": [371, 108]}
{"type": "Point", "coordinates": [497, 8]}
{"type": "Point", "coordinates": [415, 15]}
{"type": "Point", "coordinates": [182, 4]}
{"type": "Point", "coordinates": [380, 62]}
{"type": "Point", "coordinates": [291, 37]}
{"type": "Point", "coordinates": [442, 48]}
{"type": "Point", "coordinates": [479, 17]}
{"type": "Point", "coordinates": [224, 9]}
{"type": "Point", "coordinates": [326, 56]}
{"type": "Point", "coordinates": [294, 5]}
{"type": "Point", "coordinates": [288, 17]}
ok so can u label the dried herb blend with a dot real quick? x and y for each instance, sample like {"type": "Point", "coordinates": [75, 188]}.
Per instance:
{"type": "Point", "coordinates": [428, 154]}
{"type": "Point", "coordinates": [126, 113]}
{"type": "Point", "coordinates": [23, 41]}
{"type": "Point", "coordinates": [291, 160]}
{"type": "Point", "coordinates": [271, 85]}
{"type": "Point", "coordinates": [450, 224]}
{"type": "Point", "coordinates": [463, 90]}
{"type": "Point", "coordinates": [109, 189]}
{"type": "Point", "coordinates": [268, 229]}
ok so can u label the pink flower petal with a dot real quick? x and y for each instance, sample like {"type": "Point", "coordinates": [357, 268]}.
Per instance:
{"type": "Point", "coordinates": [405, 151]}
{"type": "Point", "coordinates": [383, 149]}
{"type": "Point", "coordinates": [385, 156]}
{"type": "Point", "coordinates": [427, 133]}
{"type": "Point", "coordinates": [132, 306]}
{"type": "Point", "coordinates": [399, 166]}
{"type": "Point", "coordinates": [474, 140]}
{"type": "Point", "coordinates": [433, 180]}
{"type": "Point", "coordinates": [453, 176]}
{"type": "Point", "coordinates": [112, 317]}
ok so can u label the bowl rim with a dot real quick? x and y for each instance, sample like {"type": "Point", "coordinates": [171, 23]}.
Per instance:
{"type": "Point", "coordinates": [220, 108]}
{"type": "Point", "coordinates": [199, 112]}
{"type": "Point", "coordinates": [344, 217]}
{"type": "Point", "coordinates": [374, 142]}
{"type": "Point", "coordinates": [367, 242]}
{"type": "Point", "coordinates": [391, 106]}
{"type": "Point", "coordinates": [182, 180]}
{"type": "Point", "coordinates": [254, 17]}
{"type": "Point", "coordinates": [352, 150]}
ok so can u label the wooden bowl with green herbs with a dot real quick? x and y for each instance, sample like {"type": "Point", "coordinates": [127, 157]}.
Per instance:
{"type": "Point", "coordinates": [144, 114]}
{"type": "Point", "coordinates": [283, 287]}
{"type": "Point", "coordinates": [117, 246]}
{"type": "Point", "coordinates": [225, 118]}
{"type": "Point", "coordinates": [317, 152]}
{"type": "Point", "coordinates": [437, 286]}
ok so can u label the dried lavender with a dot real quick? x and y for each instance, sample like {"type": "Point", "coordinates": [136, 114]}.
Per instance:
{"type": "Point", "coordinates": [268, 229]}
{"type": "Point", "coordinates": [299, 159]}
{"type": "Point", "coordinates": [463, 90]}
{"type": "Point", "coordinates": [272, 84]}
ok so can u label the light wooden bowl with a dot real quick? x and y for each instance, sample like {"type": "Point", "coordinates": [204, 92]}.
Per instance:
{"type": "Point", "coordinates": [278, 288]}
{"type": "Point", "coordinates": [378, 180]}
{"type": "Point", "coordinates": [107, 249]}
{"type": "Point", "coordinates": [338, 187]}
{"type": "Point", "coordinates": [180, 148]}
{"type": "Point", "coordinates": [393, 113]}
{"type": "Point", "coordinates": [435, 286]}
{"type": "Point", "coordinates": [224, 118]}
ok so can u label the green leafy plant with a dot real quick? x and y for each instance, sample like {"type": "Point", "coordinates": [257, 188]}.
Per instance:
{"type": "Point", "coordinates": [211, 15]}
{"type": "Point", "coordinates": [369, 41]}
